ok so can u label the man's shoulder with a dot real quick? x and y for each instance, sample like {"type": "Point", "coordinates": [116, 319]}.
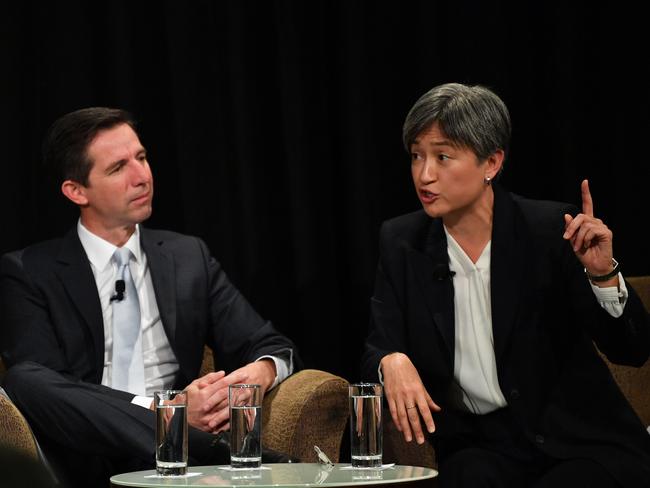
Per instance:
{"type": "Point", "coordinates": [163, 236]}
{"type": "Point", "coordinates": [171, 241]}
{"type": "Point", "coordinates": [39, 254]}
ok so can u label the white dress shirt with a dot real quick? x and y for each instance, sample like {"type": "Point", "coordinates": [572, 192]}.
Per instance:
{"type": "Point", "coordinates": [160, 364]}
{"type": "Point", "coordinates": [475, 367]}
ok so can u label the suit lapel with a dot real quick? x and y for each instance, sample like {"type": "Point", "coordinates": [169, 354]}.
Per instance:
{"type": "Point", "coordinates": [506, 268]}
{"type": "Point", "coordinates": [161, 267]}
{"type": "Point", "coordinates": [430, 267]}
{"type": "Point", "coordinates": [79, 282]}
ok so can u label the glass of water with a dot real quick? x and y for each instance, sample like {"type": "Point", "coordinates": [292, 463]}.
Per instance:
{"type": "Point", "coordinates": [365, 425]}
{"type": "Point", "coordinates": [245, 426]}
{"type": "Point", "coordinates": [171, 432]}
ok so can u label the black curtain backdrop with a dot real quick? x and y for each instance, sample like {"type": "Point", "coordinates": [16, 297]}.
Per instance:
{"type": "Point", "coordinates": [274, 128]}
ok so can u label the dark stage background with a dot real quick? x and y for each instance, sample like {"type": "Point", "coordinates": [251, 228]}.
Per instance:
{"type": "Point", "coordinates": [273, 128]}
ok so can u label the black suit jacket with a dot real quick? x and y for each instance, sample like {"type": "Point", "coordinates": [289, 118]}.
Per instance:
{"type": "Point", "coordinates": [545, 321]}
{"type": "Point", "coordinates": [51, 312]}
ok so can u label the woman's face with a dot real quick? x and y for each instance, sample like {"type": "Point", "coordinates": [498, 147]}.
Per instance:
{"type": "Point", "coordinates": [449, 180]}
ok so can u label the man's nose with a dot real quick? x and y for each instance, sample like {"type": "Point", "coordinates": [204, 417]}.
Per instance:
{"type": "Point", "coordinates": [139, 173]}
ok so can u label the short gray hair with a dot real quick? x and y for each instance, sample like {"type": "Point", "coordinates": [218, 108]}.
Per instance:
{"type": "Point", "coordinates": [470, 116]}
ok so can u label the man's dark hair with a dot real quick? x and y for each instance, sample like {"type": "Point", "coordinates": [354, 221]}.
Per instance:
{"type": "Point", "coordinates": [65, 149]}
{"type": "Point", "coordinates": [473, 117]}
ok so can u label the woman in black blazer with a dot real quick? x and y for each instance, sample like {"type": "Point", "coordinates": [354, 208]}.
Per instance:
{"type": "Point", "coordinates": [485, 313]}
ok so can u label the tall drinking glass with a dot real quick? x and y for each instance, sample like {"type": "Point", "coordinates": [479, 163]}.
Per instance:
{"type": "Point", "coordinates": [365, 425]}
{"type": "Point", "coordinates": [171, 432]}
{"type": "Point", "coordinates": [245, 426]}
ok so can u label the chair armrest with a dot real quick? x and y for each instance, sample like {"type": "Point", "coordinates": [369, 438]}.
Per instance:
{"type": "Point", "coordinates": [308, 408]}
{"type": "Point", "coordinates": [14, 430]}
{"type": "Point", "coordinates": [635, 382]}
{"type": "Point", "coordinates": [397, 450]}
{"type": "Point", "coordinates": [635, 385]}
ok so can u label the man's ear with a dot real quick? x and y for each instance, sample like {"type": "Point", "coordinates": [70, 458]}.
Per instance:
{"type": "Point", "coordinates": [75, 192]}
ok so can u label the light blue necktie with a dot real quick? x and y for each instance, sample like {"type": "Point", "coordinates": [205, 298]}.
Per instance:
{"type": "Point", "coordinates": [127, 363]}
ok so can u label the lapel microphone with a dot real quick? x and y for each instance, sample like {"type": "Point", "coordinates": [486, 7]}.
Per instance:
{"type": "Point", "coordinates": [442, 272]}
{"type": "Point", "coordinates": [119, 291]}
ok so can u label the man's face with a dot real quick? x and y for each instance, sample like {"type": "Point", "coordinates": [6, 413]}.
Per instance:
{"type": "Point", "coordinates": [120, 185]}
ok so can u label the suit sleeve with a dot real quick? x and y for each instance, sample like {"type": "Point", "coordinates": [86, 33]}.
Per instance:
{"type": "Point", "coordinates": [624, 340]}
{"type": "Point", "coordinates": [26, 333]}
{"type": "Point", "coordinates": [386, 330]}
{"type": "Point", "coordinates": [238, 334]}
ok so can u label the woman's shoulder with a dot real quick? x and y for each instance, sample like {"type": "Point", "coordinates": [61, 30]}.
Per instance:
{"type": "Point", "coordinates": [409, 231]}
{"type": "Point", "coordinates": [541, 206]}
{"type": "Point", "coordinates": [543, 214]}
{"type": "Point", "coordinates": [410, 224]}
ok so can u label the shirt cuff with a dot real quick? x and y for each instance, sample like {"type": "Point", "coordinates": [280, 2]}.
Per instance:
{"type": "Point", "coordinates": [612, 298]}
{"type": "Point", "coordinates": [283, 367]}
{"type": "Point", "coordinates": [143, 401]}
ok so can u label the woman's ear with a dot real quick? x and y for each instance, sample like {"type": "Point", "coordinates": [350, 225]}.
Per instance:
{"type": "Point", "coordinates": [494, 163]}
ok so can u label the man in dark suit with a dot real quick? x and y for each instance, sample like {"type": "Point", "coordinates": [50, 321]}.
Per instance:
{"type": "Point", "coordinates": [485, 313]}
{"type": "Point", "coordinates": [61, 335]}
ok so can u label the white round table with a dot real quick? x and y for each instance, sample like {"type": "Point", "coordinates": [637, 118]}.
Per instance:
{"type": "Point", "coordinates": [278, 475]}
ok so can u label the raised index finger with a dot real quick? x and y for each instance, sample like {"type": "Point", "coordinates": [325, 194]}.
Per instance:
{"type": "Point", "coordinates": [587, 202]}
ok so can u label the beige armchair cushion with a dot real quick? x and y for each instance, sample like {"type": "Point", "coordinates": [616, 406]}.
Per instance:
{"type": "Point", "coordinates": [14, 430]}
{"type": "Point", "coordinates": [397, 450]}
{"type": "Point", "coordinates": [309, 408]}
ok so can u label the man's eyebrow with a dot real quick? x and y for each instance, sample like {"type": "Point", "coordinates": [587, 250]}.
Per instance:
{"type": "Point", "coordinates": [115, 164]}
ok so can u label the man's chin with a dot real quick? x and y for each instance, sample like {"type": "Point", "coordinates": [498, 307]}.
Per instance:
{"type": "Point", "coordinates": [142, 214]}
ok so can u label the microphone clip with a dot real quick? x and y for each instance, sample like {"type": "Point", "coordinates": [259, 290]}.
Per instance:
{"type": "Point", "coordinates": [442, 272]}
{"type": "Point", "coordinates": [119, 291]}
